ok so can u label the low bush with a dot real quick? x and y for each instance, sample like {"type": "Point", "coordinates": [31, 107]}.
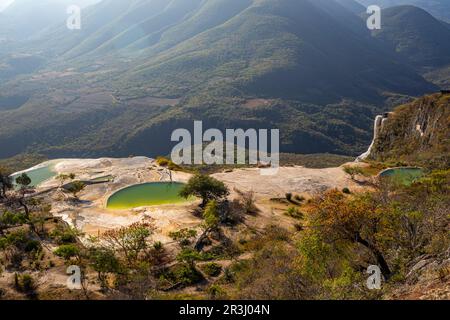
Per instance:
{"type": "Point", "coordinates": [24, 283]}
{"type": "Point", "coordinates": [186, 274]}
{"type": "Point", "coordinates": [216, 292]}
{"type": "Point", "coordinates": [346, 191]}
{"type": "Point", "coordinates": [32, 245]}
{"type": "Point", "coordinates": [67, 251]}
{"type": "Point", "coordinates": [63, 235]}
{"type": "Point", "coordinates": [212, 269]}
{"type": "Point", "coordinates": [294, 213]}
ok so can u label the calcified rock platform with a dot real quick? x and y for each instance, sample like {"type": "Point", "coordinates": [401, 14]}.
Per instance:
{"type": "Point", "coordinates": [91, 216]}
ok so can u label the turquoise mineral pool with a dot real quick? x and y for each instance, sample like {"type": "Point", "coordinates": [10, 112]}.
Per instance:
{"type": "Point", "coordinates": [147, 194]}
{"type": "Point", "coordinates": [38, 175]}
{"type": "Point", "coordinates": [405, 176]}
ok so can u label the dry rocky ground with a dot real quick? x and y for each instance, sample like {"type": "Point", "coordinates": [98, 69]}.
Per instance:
{"type": "Point", "coordinates": [91, 216]}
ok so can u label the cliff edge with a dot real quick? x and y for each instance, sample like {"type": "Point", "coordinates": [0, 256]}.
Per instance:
{"type": "Point", "coordinates": [417, 133]}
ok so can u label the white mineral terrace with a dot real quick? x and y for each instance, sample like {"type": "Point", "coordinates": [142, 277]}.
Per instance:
{"type": "Point", "coordinates": [91, 215]}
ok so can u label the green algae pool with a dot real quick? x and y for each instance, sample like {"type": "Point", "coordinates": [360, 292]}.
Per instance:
{"type": "Point", "coordinates": [147, 194]}
{"type": "Point", "coordinates": [38, 175]}
{"type": "Point", "coordinates": [405, 176]}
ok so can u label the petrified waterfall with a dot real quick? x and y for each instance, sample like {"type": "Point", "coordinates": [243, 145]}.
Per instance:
{"type": "Point", "coordinates": [379, 121]}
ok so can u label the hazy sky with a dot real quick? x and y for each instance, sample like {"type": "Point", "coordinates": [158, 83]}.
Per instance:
{"type": "Point", "coordinates": [5, 3]}
{"type": "Point", "coordinates": [82, 3]}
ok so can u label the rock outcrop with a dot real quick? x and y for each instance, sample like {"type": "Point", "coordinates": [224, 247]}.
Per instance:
{"type": "Point", "coordinates": [415, 133]}
{"type": "Point", "coordinates": [428, 279]}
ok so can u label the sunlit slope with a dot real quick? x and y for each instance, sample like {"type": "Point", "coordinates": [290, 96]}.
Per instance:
{"type": "Point", "coordinates": [438, 8]}
{"type": "Point", "coordinates": [284, 48]}
{"type": "Point", "coordinates": [416, 35]}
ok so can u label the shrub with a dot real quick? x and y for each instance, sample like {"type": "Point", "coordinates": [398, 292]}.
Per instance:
{"type": "Point", "coordinates": [167, 163]}
{"type": "Point", "coordinates": [67, 251]}
{"type": "Point", "coordinates": [346, 191]}
{"type": "Point", "coordinates": [216, 292]}
{"type": "Point", "coordinates": [163, 162]}
{"type": "Point", "coordinates": [444, 273]}
{"type": "Point", "coordinates": [184, 236]}
{"type": "Point", "coordinates": [68, 237]}
{"type": "Point", "coordinates": [64, 235]}
{"type": "Point", "coordinates": [32, 245]}
{"type": "Point", "coordinates": [18, 239]}
{"type": "Point", "coordinates": [212, 269]}
{"type": "Point", "coordinates": [189, 256]}
{"type": "Point", "coordinates": [211, 215]}
{"type": "Point", "coordinates": [294, 213]}
{"type": "Point", "coordinates": [158, 246]}
{"type": "Point", "coordinates": [24, 283]}
{"type": "Point", "coordinates": [104, 261]}
{"type": "Point", "coordinates": [9, 219]}
{"type": "Point", "coordinates": [132, 241]}
{"type": "Point", "coordinates": [75, 188]}
{"type": "Point", "coordinates": [186, 274]}
{"type": "Point", "coordinates": [64, 177]}
{"type": "Point", "coordinates": [247, 201]}
{"type": "Point", "coordinates": [354, 171]}
{"type": "Point", "coordinates": [228, 276]}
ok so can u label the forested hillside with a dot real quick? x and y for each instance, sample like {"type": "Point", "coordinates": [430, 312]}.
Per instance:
{"type": "Point", "coordinates": [139, 69]}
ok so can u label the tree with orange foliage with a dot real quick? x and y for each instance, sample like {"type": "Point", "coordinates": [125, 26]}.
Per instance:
{"type": "Point", "coordinates": [132, 241]}
{"type": "Point", "coordinates": [359, 220]}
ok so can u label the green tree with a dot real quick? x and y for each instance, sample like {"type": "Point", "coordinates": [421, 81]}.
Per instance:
{"type": "Point", "coordinates": [9, 219]}
{"type": "Point", "coordinates": [189, 256]}
{"type": "Point", "coordinates": [65, 235]}
{"type": "Point", "coordinates": [5, 182]}
{"type": "Point", "coordinates": [64, 177]}
{"type": "Point", "coordinates": [104, 261]}
{"type": "Point", "coordinates": [68, 251]}
{"type": "Point", "coordinates": [205, 187]}
{"type": "Point", "coordinates": [23, 181]}
{"type": "Point", "coordinates": [75, 188]}
{"type": "Point", "coordinates": [184, 236]}
{"type": "Point", "coordinates": [211, 215]}
{"type": "Point", "coordinates": [360, 221]}
{"type": "Point", "coordinates": [131, 241]}
{"type": "Point", "coordinates": [212, 269]}
{"type": "Point", "coordinates": [26, 284]}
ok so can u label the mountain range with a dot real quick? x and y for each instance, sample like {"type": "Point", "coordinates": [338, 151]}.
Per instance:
{"type": "Point", "coordinates": [29, 17]}
{"type": "Point", "coordinates": [139, 69]}
{"type": "Point", "coordinates": [416, 36]}
{"type": "Point", "coordinates": [438, 8]}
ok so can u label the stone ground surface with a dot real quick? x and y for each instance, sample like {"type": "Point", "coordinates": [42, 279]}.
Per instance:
{"type": "Point", "coordinates": [91, 216]}
{"type": "Point", "coordinates": [428, 279]}
{"type": "Point", "coordinates": [288, 179]}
